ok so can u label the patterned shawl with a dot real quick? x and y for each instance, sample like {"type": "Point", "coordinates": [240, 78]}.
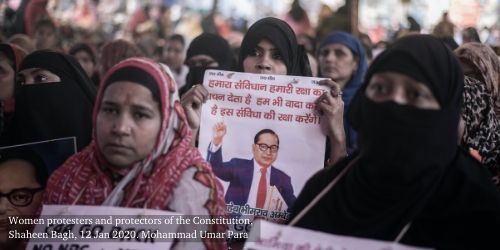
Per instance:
{"type": "Point", "coordinates": [150, 182]}
{"type": "Point", "coordinates": [482, 128]}
{"type": "Point", "coordinates": [486, 62]}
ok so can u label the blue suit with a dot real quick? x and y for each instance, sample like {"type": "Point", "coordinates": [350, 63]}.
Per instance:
{"type": "Point", "coordinates": [239, 174]}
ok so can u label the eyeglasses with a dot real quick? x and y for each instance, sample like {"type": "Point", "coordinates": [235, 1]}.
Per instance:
{"type": "Point", "coordinates": [21, 197]}
{"type": "Point", "coordinates": [263, 147]}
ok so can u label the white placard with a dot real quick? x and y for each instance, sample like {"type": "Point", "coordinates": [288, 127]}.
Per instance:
{"type": "Point", "coordinates": [247, 103]}
{"type": "Point", "coordinates": [270, 236]}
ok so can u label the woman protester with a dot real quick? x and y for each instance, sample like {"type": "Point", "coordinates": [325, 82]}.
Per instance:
{"type": "Point", "coordinates": [341, 57]}
{"type": "Point", "coordinates": [270, 47]}
{"type": "Point", "coordinates": [10, 59]}
{"type": "Point", "coordinates": [54, 99]}
{"type": "Point", "coordinates": [480, 62]}
{"type": "Point", "coordinates": [206, 51]}
{"type": "Point", "coordinates": [409, 181]}
{"type": "Point", "coordinates": [140, 155]}
{"type": "Point", "coordinates": [86, 56]}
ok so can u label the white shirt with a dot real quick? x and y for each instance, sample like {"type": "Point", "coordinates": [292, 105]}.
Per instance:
{"type": "Point", "coordinates": [180, 78]}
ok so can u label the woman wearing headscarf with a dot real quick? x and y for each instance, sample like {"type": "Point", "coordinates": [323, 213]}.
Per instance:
{"type": "Point", "coordinates": [269, 47]}
{"type": "Point", "coordinates": [480, 62]}
{"type": "Point", "coordinates": [481, 128]}
{"type": "Point", "coordinates": [409, 181]}
{"type": "Point", "coordinates": [140, 157]}
{"type": "Point", "coordinates": [54, 99]}
{"type": "Point", "coordinates": [86, 56]}
{"type": "Point", "coordinates": [206, 51]}
{"type": "Point", "coordinates": [115, 51]}
{"type": "Point", "coordinates": [10, 59]}
{"type": "Point", "coordinates": [341, 58]}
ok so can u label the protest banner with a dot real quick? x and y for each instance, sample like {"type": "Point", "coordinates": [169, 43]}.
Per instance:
{"type": "Point", "coordinates": [99, 227]}
{"type": "Point", "coordinates": [271, 236]}
{"type": "Point", "coordinates": [238, 107]}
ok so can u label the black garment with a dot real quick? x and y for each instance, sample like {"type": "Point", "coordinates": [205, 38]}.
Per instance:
{"type": "Point", "coordinates": [53, 110]}
{"type": "Point", "coordinates": [279, 33]}
{"type": "Point", "coordinates": [410, 167]}
{"type": "Point", "coordinates": [211, 45]}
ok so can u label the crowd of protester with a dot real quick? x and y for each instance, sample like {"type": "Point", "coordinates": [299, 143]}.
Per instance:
{"type": "Point", "coordinates": [412, 125]}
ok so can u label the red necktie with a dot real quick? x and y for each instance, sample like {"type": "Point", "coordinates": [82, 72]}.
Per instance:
{"type": "Point", "coordinates": [261, 192]}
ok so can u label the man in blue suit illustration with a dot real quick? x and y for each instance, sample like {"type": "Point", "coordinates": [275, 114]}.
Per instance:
{"type": "Point", "coordinates": [249, 180]}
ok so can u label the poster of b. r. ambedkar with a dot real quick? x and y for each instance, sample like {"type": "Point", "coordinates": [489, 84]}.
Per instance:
{"type": "Point", "coordinates": [262, 137]}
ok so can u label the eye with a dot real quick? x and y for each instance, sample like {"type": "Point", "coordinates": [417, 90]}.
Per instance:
{"type": "Point", "coordinates": [20, 196]}
{"type": "Point", "coordinates": [141, 115]}
{"type": "Point", "coordinates": [255, 52]}
{"type": "Point", "coordinates": [379, 88]}
{"type": "Point", "coordinates": [277, 56]}
{"type": "Point", "coordinates": [109, 110]}
{"type": "Point", "coordinates": [40, 78]}
{"type": "Point", "coordinates": [339, 53]}
{"type": "Point", "coordinates": [324, 52]}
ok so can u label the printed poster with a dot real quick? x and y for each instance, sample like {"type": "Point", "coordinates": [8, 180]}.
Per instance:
{"type": "Point", "coordinates": [262, 136]}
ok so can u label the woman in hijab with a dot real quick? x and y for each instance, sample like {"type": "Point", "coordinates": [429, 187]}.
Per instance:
{"type": "Point", "coordinates": [409, 181]}
{"type": "Point", "coordinates": [115, 51]}
{"type": "Point", "coordinates": [269, 47]}
{"type": "Point", "coordinates": [480, 62]}
{"type": "Point", "coordinates": [140, 155]}
{"type": "Point", "coordinates": [480, 127]}
{"type": "Point", "coordinates": [53, 100]}
{"type": "Point", "coordinates": [86, 56]}
{"type": "Point", "coordinates": [10, 59]}
{"type": "Point", "coordinates": [341, 58]}
{"type": "Point", "coordinates": [206, 51]}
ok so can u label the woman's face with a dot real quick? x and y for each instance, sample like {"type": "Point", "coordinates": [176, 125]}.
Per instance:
{"type": "Point", "coordinates": [36, 76]}
{"type": "Point", "coordinates": [6, 78]}
{"type": "Point", "coordinates": [128, 123]}
{"type": "Point", "coordinates": [86, 62]}
{"type": "Point", "coordinates": [402, 89]}
{"type": "Point", "coordinates": [336, 61]}
{"type": "Point", "coordinates": [16, 174]}
{"type": "Point", "coordinates": [265, 59]}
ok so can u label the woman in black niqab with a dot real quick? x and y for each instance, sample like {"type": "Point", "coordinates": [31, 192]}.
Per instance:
{"type": "Point", "coordinates": [409, 172]}
{"type": "Point", "coordinates": [46, 111]}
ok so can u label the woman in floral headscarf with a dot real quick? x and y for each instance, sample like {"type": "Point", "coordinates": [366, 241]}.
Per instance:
{"type": "Point", "coordinates": [140, 155]}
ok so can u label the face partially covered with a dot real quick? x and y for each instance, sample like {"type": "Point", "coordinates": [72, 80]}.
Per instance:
{"type": "Point", "coordinates": [402, 89]}
{"type": "Point", "coordinates": [128, 123]}
{"type": "Point", "coordinates": [36, 76]}
{"type": "Point", "coordinates": [265, 151]}
{"type": "Point", "coordinates": [19, 184]}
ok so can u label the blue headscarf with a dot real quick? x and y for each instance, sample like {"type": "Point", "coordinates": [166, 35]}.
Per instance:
{"type": "Point", "coordinates": [356, 80]}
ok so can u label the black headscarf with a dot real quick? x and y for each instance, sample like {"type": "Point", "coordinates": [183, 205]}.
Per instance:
{"type": "Point", "coordinates": [410, 168]}
{"type": "Point", "coordinates": [279, 33]}
{"type": "Point", "coordinates": [54, 110]}
{"type": "Point", "coordinates": [207, 44]}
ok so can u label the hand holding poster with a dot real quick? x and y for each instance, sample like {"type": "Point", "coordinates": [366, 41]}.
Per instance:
{"type": "Point", "coordinates": [262, 136]}
{"type": "Point", "coordinates": [271, 236]}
